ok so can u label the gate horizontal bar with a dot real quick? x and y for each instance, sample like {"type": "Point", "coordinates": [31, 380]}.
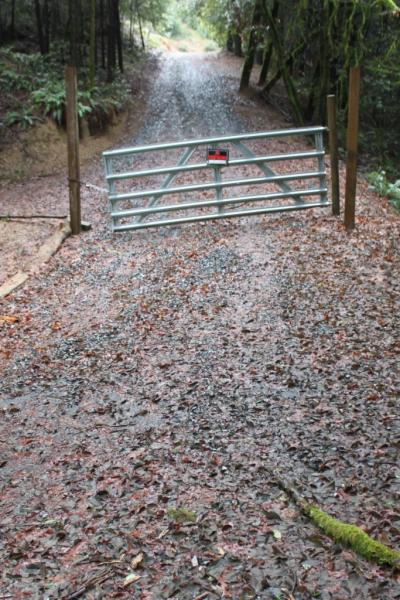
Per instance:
{"type": "Point", "coordinates": [232, 163]}
{"type": "Point", "coordinates": [215, 140]}
{"type": "Point", "coordinates": [223, 215]}
{"type": "Point", "coordinates": [215, 185]}
{"type": "Point", "coordinates": [235, 200]}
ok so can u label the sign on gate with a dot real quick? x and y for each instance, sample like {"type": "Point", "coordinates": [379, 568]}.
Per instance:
{"type": "Point", "coordinates": [217, 156]}
{"type": "Point", "coordinates": [287, 187]}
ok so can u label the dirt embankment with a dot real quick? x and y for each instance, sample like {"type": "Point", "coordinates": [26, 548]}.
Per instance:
{"type": "Point", "coordinates": [41, 151]}
{"type": "Point", "coordinates": [33, 179]}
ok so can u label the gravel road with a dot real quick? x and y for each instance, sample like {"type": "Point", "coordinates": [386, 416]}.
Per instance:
{"type": "Point", "coordinates": [190, 98]}
{"type": "Point", "coordinates": [160, 391]}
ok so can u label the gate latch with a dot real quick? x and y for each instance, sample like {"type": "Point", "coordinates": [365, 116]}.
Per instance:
{"type": "Point", "coordinates": [217, 156]}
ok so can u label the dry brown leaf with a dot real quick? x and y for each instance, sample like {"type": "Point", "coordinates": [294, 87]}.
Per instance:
{"type": "Point", "coordinates": [137, 560]}
{"type": "Point", "coordinates": [9, 319]}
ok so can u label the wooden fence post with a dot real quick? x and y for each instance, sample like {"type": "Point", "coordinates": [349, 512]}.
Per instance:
{"type": "Point", "coordinates": [333, 153]}
{"type": "Point", "coordinates": [352, 148]}
{"type": "Point", "coordinates": [73, 151]}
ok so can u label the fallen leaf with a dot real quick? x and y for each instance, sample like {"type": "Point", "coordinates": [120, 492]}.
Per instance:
{"type": "Point", "coordinates": [131, 578]}
{"type": "Point", "coordinates": [195, 561]}
{"type": "Point", "coordinates": [9, 319]}
{"type": "Point", "coordinates": [137, 560]}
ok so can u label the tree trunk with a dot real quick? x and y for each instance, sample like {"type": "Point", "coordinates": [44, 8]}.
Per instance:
{"type": "Point", "coordinates": [111, 41]}
{"type": "Point", "coordinates": [282, 62]}
{"type": "Point", "coordinates": [309, 111]}
{"type": "Point", "coordinates": [251, 50]}
{"type": "Point", "coordinates": [229, 42]}
{"type": "Point", "coordinates": [73, 33]}
{"type": "Point", "coordinates": [131, 41]}
{"type": "Point", "coordinates": [118, 36]}
{"type": "Point", "coordinates": [46, 26]}
{"type": "Point", "coordinates": [92, 44]}
{"type": "Point", "coordinates": [12, 22]}
{"type": "Point", "coordinates": [270, 48]}
{"type": "Point", "coordinates": [39, 25]}
{"type": "Point", "coordinates": [102, 37]}
{"type": "Point", "coordinates": [140, 24]}
{"type": "Point", "coordinates": [323, 89]}
{"type": "Point", "coordinates": [237, 45]}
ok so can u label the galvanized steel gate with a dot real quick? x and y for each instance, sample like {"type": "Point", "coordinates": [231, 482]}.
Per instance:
{"type": "Point", "coordinates": [136, 209]}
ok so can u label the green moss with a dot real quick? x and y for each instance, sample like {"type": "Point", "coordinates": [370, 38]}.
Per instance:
{"type": "Point", "coordinates": [182, 515]}
{"type": "Point", "coordinates": [354, 537]}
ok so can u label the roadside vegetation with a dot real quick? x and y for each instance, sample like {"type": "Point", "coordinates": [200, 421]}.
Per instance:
{"type": "Point", "coordinates": [303, 51]}
{"type": "Point", "coordinates": [105, 40]}
{"type": "Point", "coordinates": [33, 89]}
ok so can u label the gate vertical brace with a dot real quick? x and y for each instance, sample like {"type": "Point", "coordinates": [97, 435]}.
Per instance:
{"type": "Point", "coordinates": [245, 151]}
{"type": "Point", "coordinates": [111, 184]}
{"type": "Point", "coordinates": [186, 156]}
{"type": "Point", "coordinates": [319, 144]}
{"type": "Point", "coordinates": [219, 193]}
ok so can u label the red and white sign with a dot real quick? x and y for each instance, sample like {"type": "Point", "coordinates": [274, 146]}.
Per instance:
{"type": "Point", "coordinates": [217, 156]}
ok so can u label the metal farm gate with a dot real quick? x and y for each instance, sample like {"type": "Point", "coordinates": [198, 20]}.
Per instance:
{"type": "Point", "coordinates": [197, 184]}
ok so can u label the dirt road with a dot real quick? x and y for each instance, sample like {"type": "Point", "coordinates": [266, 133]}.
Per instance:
{"type": "Point", "coordinates": [197, 368]}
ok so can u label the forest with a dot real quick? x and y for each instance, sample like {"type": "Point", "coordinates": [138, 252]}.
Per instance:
{"type": "Point", "coordinates": [305, 50]}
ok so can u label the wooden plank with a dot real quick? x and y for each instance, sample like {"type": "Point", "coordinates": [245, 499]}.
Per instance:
{"type": "Point", "coordinates": [73, 151]}
{"type": "Point", "coordinates": [352, 148]}
{"type": "Point", "coordinates": [333, 153]}
{"type": "Point", "coordinates": [50, 247]}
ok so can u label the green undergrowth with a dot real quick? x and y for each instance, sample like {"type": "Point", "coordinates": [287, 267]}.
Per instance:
{"type": "Point", "coordinates": [354, 537]}
{"type": "Point", "coordinates": [33, 88]}
{"type": "Point", "coordinates": [182, 515]}
{"type": "Point", "coordinates": [381, 184]}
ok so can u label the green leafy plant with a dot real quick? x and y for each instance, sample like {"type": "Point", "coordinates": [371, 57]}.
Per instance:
{"type": "Point", "coordinates": [51, 100]}
{"type": "Point", "coordinates": [24, 72]}
{"type": "Point", "coordinates": [25, 118]}
{"type": "Point", "coordinates": [35, 88]}
{"type": "Point", "coordinates": [384, 187]}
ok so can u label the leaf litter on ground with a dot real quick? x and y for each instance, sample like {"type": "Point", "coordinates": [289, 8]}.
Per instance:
{"type": "Point", "coordinates": [188, 365]}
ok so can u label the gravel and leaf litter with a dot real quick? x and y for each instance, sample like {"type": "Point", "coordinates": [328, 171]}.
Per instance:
{"type": "Point", "coordinates": [158, 387]}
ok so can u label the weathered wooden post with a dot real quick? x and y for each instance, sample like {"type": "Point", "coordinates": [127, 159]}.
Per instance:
{"type": "Point", "coordinates": [73, 151]}
{"type": "Point", "coordinates": [352, 148]}
{"type": "Point", "coordinates": [333, 153]}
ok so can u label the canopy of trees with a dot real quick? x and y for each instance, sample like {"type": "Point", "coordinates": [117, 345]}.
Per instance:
{"type": "Point", "coordinates": [305, 47]}
{"type": "Point", "coordinates": [308, 46]}
{"type": "Point", "coordinates": [87, 33]}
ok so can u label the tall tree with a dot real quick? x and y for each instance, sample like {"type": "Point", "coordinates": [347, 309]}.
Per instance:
{"type": "Point", "coordinates": [117, 18]}
{"type": "Point", "coordinates": [92, 44]}
{"type": "Point", "coordinates": [73, 25]}
{"type": "Point", "coordinates": [269, 49]}
{"type": "Point", "coordinates": [39, 25]}
{"type": "Point", "coordinates": [111, 41]}
{"type": "Point", "coordinates": [252, 46]}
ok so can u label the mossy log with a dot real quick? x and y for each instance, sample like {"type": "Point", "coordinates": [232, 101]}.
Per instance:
{"type": "Point", "coordinates": [353, 537]}
{"type": "Point", "coordinates": [343, 533]}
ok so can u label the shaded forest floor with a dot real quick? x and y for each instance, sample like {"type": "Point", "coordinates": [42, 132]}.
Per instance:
{"type": "Point", "coordinates": [190, 368]}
